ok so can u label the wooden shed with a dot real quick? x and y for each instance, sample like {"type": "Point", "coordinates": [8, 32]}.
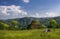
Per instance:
{"type": "Point", "coordinates": [35, 24]}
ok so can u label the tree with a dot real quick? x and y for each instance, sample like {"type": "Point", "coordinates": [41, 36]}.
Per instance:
{"type": "Point", "coordinates": [43, 26]}
{"type": "Point", "coordinates": [53, 24]}
{"type": "Point", "coordinates": [4, 25]}
{"type": "Point", "coordinates": [15, 24]}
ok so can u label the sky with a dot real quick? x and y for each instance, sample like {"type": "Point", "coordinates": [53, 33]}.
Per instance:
{"type": "Point", "coordinates": [10, 9]}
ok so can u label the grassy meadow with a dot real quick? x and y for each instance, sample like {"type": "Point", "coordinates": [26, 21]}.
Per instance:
{"type": "Point", "coordinates": [30, 34]}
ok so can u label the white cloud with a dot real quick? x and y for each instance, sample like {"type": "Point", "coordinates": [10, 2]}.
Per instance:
{"type": "Point", "coordinates": [52, 14]}
{"type": "Point", "coordinates": [12, 11]}
{"type": "Point", "coordinates": [46, 14]}
{"type": "Point", "coordinates": [26, 1]}
{"type": "Point", "coordinates": [36, 15]}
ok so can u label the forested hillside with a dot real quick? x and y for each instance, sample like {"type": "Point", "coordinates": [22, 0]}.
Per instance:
{"type": "Point", "coordinates": [24, 23]}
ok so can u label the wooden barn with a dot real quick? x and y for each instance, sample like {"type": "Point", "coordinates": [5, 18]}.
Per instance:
{"type": "Point", "coordinates": [35, 24]}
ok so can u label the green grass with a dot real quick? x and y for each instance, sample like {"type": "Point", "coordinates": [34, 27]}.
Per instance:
{"type": "Point", "coordinates": [30, 34]}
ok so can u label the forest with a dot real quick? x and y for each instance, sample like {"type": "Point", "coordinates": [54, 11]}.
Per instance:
{"type": "Point", "coordinates": [29, 23]}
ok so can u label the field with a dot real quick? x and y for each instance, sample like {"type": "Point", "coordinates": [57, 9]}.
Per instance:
{"type": "Point", "coordinates": [30, 34]}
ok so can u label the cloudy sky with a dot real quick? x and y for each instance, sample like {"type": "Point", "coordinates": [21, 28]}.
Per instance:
{"type": "Point", "coordinates": [29, 8]}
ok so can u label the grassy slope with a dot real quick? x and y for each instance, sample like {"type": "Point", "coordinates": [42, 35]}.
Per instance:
{"type": "Point", "coordinates": [30, 34]}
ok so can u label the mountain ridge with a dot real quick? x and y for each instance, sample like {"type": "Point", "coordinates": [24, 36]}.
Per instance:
{"type": "Point", "coordinates": [28, 20]}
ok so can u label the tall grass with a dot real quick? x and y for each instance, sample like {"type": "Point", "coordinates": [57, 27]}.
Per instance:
{"type": "Point", "coordinates": [30, 34]}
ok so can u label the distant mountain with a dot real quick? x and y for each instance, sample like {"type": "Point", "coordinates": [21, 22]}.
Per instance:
{"type": "Point", "coordinates": [28, 20]}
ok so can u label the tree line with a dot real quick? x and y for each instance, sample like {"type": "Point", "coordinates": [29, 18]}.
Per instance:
{"type": "Point", "coordinates": [35, 24]}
